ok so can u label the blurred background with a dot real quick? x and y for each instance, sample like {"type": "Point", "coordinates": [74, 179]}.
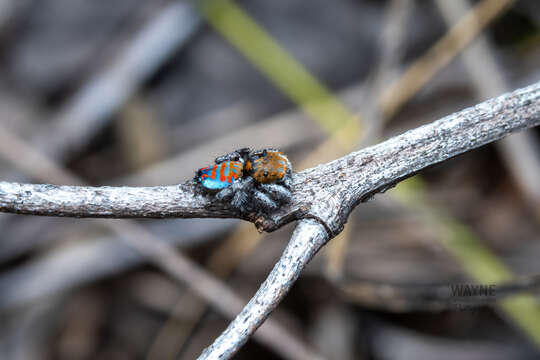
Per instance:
{"type": "Point", "coordinates": [133, 92]}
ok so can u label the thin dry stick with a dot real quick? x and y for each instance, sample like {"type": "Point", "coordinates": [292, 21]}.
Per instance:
{"type": "Point", "coordinates": [323, 196]}
{"type": "Point", "coordinates": [422, 297]}
{"type": "Point", "coordinates": [92, 105]}
{"type": "Point", "coordinates": [451, 44]}
{"type": "Point", "coordinates": [170, 339]}
{"type": "Point", "coordinates": [308, 237]}
{"type": "Point", "coordinates": [485, 13]}
{"type": "Point", "coordinates": [520, 153]}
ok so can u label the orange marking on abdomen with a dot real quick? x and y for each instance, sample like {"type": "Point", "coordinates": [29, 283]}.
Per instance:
{"type": "Point", "coordinates": [202, 172]}
{"type": "Point", "coordinates": [222, 168]}
{"type": "Point", "coordinates": [235, 169]}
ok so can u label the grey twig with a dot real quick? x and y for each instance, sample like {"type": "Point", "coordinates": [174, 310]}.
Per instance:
{"type": "Point", "coordinates": [327, 192]}
{"type": "Point", "coordinates": [308, 237]}
{"type": "Point", "coordinates": [323, 196]}
{"type": "Point", "coordinates": [178, 201]}
{"type": "Point", "coordinates": [92, 105]}
{"type": "Point", "coordinates": [89, 261]}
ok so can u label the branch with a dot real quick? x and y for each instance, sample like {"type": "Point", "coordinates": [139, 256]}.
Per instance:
{"type": "Point", "coordinates": [308, 237]}
{"type": "Point", "coordinates": [327, 192]}
{"type": "Point", "coordinates": [174, 201]}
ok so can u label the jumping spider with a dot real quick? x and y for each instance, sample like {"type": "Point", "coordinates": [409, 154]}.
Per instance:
{"type": "Point", "coordinates": [263, 186]}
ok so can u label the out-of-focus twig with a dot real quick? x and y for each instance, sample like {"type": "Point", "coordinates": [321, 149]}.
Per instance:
{"type": "Point", "coordinates": [520, 152]}
{"type": "Point", "coordinates": [406, 297]}
{"type": "Point", "coordinates": [89, 261]}
{"type": "Point", "coordinates": [391, 42]}
{"type": "Point", "coordinates": [141, 137]}
{"type": "Point", "coordinates": [461, 34]}
{"type": "Point", "coordinates": [106, 92]}
{"type": "Point", "coordinates": [170, 339]}
{"type": "Point", "coordinates": [391, 48]}
{"type": "Point", "coordinates": [10, 9]}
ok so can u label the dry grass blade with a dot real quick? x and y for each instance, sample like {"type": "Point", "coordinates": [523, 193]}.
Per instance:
{"type": "Point", "coordinates": [454, 41]}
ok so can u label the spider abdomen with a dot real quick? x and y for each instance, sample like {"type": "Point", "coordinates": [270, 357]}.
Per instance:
{"type": "Point", "coordinates": [219, 176]}
{"type": "Point", "coordinates": [251, 181]}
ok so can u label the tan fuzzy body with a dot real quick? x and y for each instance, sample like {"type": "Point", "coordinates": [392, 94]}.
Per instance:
{"type": "Point", "coordinates": [270, 167]}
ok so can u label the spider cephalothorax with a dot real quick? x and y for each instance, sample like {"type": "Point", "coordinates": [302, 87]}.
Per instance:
{"type": "Point", "coordinates": [264, 183]}
{"type": "Point", "coordinates": [268, 166]}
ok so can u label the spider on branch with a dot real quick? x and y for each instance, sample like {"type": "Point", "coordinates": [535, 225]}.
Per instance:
{"type": "Point", "coordinates": [250, 180]}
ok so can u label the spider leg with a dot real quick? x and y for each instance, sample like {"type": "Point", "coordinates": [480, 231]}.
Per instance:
{"type": "Point", "coordinates": [240, 193]}
{"type": "Point", "coordinates": [225, 194]}
{"type": "Point", "coordinates": [278, 193]}
{"type": "Point", "coordinates": [233, 156]}
{"type": "Point", "coordinates": [263, 201]}
{"type": "Point", "coordinates": [287, 181]}
{"type": "Point", "coordinates": [236, 155]}
{"type": "Point", "coordinates": [228, 192]}
{"type": "Point", "coordinates": [240, 201]}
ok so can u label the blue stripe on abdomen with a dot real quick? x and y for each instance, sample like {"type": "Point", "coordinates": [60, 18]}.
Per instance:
{"type": "Point", "coordinates": [214, 184]}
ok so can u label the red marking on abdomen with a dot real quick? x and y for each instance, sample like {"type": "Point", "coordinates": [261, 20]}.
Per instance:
{"type": "Point", "coordinates": [222, 168]}
{"type": "Point", "coordinates": [235, 168]}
